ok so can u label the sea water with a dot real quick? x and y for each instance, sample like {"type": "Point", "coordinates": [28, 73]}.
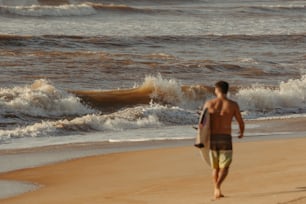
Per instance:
{"type": "Point", "coordinates": [109, 71]}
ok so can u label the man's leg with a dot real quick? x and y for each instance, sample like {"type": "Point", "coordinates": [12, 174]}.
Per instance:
{"type": "Point", "coordinates": [216, 173]}
{"type": "Point", "coordinates": [214, 160]}
{"type": "Point", "coordinates": [221, 177]}
{"type": "Point", "coordinates": [215, 176]}
{"type": "Point", "coordinates": [225, 160]}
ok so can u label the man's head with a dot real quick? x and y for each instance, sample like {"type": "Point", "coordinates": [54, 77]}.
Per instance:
{"type": "Point", "coordinates": [221, 88]}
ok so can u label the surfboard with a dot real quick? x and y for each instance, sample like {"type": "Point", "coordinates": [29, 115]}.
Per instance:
{"type": "Point", "coordinates": [202, 140]}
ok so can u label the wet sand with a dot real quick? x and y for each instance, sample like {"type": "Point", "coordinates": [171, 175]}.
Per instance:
{"type": "Point", "coordinates": [262, 172]}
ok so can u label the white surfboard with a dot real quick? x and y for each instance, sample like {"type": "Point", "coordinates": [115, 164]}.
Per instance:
{"type": "Point", "coordinates": [202, 140]}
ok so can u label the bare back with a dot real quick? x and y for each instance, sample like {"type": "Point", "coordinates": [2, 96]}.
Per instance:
{"type": "Point", "coordinates": [222, 112]}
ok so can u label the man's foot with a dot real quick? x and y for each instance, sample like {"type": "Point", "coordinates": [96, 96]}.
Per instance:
{"type": "Point", "coordinates": [218, 194]}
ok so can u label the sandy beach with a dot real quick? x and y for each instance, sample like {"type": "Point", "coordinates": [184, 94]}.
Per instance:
{"type": "Point", "coordinates": [262, 172]}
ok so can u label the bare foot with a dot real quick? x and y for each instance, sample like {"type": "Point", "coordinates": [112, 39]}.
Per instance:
{"type": "Point", "coordinates": [218, 194]}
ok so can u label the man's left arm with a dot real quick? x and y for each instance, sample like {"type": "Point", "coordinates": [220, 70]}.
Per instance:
{"type": "Point", "coordinates": [239, 120]}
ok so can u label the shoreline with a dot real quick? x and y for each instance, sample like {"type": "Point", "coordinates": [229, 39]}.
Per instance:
{"type": "Point", "coordinates": [26, 158]}
{"type": "Point", "coordinates": [261, 129]}
{"type": "Point", "coordinates": [123, 166]}
{"type": "Point", "coordinates": [29, 158]}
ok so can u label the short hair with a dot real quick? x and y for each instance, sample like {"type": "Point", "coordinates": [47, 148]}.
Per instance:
{"type": "Point", "coordinates": [223, 86]}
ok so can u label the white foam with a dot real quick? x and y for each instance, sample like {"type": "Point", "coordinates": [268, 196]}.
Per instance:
{"type": "Point", "coordinates": [148, 139]}
{"type": "Point", "coordinates": [44, 10]}
{"type": "Point", "coordinates": [110, 123]}
{"type": "Point", "coordinates": [290, 6]}
{"type": "Point", "coordinates": [171, 114]}
{"type": "Point", "coordinates": [152, 116]}
{"type": "Point", "coordinates": [170, 91]}
{"type": "Point", "coordinates": [288, 98]}
{"type": "Point", "coordinates": [166, 90]}
{"type": "Point", "coordinates": [40, 99]}
{"type": "Point", "coordinates": [13, 188]}
{"type": "Point", "coordinates": [281, 117]}
{"type": "Point", "coordinates": [132, 135]}
{"type": "Point", "coordinates": [85, 123]}
{"type": "Point", "coordinates": [247, 60]}
{"type": "Point", "coordinates": [18, 2]}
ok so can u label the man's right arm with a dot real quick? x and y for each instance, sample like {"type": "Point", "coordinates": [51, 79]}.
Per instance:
{"type": "Point", "coordinates": [207, 105]}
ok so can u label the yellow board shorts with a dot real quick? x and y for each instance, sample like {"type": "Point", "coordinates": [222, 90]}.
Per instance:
{"type": "Point", "coordinates": [220, 159]}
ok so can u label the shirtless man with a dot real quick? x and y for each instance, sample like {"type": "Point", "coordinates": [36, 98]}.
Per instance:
{"type": "Point", "coordinates": [222, 112]}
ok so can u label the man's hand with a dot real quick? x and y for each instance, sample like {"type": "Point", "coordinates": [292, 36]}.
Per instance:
{"type": "Point", "coordinates": [240, 136]}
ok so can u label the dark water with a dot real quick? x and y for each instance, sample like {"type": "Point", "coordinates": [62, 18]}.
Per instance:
{"type": "Point", "coordinates": [114, 44]}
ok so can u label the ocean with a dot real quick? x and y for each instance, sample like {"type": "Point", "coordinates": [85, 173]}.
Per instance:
{"type": "Point", "coordinates": [127, 70]}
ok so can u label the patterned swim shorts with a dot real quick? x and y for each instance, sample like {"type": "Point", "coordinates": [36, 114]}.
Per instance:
{"type": "Point", "coordinates": [220, 153]}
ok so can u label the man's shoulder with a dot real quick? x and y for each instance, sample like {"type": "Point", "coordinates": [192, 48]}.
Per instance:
{"type": "Point", "coordinates": [216, 100]}
{"type": "Point", "coordinates": [233, 103]}
{"type": "Point", "coordinates": [211, 101]}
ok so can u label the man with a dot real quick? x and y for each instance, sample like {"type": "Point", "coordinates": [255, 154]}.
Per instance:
{"type": "Point", "coordinates": [222, 111]}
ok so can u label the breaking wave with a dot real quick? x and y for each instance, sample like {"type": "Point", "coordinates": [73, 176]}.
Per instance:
{"type": "Point", "coordinates": [45, 10]}
{"type": "Point", "coordinates": [71, 8]}
{"type": "Point", "coordinates": [288, 98]}
{"type": "Point", "coordinates": [155, 103]}
{"type": "Point", "coordinates": [41, 99]}
{"type": "Point", "coordinates": [280, 8]}
{"type": "Point", "coordinates": [154, 88]}
{"type": "Point", "coordinates": [153, 115]}
{"type": "Point", "coordinates": [83, 9]}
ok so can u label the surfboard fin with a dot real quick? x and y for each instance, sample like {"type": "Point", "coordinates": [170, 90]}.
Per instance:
{"type": "Point", "coordinates": [201, 145]}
